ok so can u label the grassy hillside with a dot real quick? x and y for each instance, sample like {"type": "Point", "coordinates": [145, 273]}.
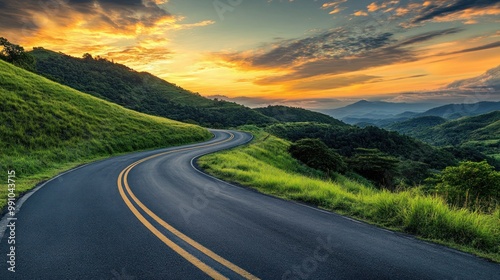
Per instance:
{"type": "Point", "coordinates": [291, 114]}
{"type": "Point", "coordinates": [141, 91]}
{"type": "Point", "coordinates": [266, 166]}
{"type": "Point", "coordinates": [481, 132]}
{"type": "Point", "coordinates": [46, 127]}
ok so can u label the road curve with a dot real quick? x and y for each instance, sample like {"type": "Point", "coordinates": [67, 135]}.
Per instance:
{"type": "Point", "coordinates": [152, 215]}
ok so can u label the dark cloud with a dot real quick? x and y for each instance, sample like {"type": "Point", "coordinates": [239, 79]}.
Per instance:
{"type": "Point", "coordinates": [378, 57]}
{"type": "Point", "coordinates": [446, 8]}
{"type": "Point", "coordinates": [429, 36]}
{"type": "Point", "coordinates": [480, 48]}
{"type": "Point", "coordinates": [334, 44]}
{"type": "Point", "coordinates": [406, 77]}
{"type": "Point", "coordinates": [335, 52]}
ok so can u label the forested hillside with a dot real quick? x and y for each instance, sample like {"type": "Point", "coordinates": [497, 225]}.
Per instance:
{"type": "Point", "coordinates": [414, 159]}
{"type": "Point", "coordinates": [141, 91]}
{"type": "Point", "coordinates": [291, 114]}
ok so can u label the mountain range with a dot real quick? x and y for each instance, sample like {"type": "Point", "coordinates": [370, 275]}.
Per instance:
{"type": "Point", "coordinates": [449, 111]}
{"type": "Point", "coordinates": [376, 109]}
{"type": "Point", "coordinates": [482, 89]}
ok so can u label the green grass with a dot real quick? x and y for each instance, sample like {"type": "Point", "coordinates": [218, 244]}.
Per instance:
{"type": "Point", "coordinates": [266, 166]}
{"type": "Point", "coordinates": [46, 128]}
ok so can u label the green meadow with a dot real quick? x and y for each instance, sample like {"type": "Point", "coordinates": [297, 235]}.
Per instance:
{"type": "Point", "coordinates": [46, 128]}
{"type": "Point", "coordinates": [266, 165]}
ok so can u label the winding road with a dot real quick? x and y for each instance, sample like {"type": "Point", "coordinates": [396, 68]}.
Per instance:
{"type": "Point", "coordinates": [153, 215]}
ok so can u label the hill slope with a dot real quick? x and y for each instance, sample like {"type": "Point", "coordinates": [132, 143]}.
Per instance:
{"type": "Point", "coordinates": [481, 132]}
{"type": "Point", "coordinates": [46, 127]}
{"type": "Point", "coordinates": [415, 126]}
{"type": "Point", "coordinates": [291, 114]}
{"type": "Point", "coordinates": [346, 139]}
{"type": "Point", "coordinates": [141, 91]}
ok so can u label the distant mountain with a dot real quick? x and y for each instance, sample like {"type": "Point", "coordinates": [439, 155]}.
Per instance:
{"type": "Point", "coordinates": [490, 79]}
{"type": "Point", "coordinates": [376, 110]}
{"type": "Point", "coordinates": [141, 91]}
{"type": "Point", "coordinates": [291, 114]}
{"type": "Point", "coordinates": [450, 111]}
{"type": "Point", "coordinates": [454, 111]}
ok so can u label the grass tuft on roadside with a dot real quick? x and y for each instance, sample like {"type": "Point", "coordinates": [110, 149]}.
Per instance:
{"type": "Point", "coordinates": [266, 165]}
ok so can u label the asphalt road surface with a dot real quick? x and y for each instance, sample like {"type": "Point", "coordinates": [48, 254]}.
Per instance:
{"type": "Point", "coordinates": [152, 215]}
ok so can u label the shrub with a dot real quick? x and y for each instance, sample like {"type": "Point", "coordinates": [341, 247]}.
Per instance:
{"type": "Point", "coordinates": [314, 153]}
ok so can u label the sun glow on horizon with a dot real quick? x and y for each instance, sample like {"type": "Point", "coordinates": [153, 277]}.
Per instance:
{"type": "Point", "coordinates": [273, 49]}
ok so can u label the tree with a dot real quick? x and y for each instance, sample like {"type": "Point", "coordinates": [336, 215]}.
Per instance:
{"type": "Point", "coordinates": [16, 55]}
{"type": "Point", "coordinates": [375, 166]}
{"type": "Point", "coordinates": [316, 154]}
{"type": "Point", "coordinates": [468, 183]}
{"type": "Point", "coordinates": [87, 56]}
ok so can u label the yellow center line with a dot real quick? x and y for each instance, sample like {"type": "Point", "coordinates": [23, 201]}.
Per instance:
{"type": "Point", "coordinates": [190, 258]}
{"type": "Point", "coordinates": [202, 266]}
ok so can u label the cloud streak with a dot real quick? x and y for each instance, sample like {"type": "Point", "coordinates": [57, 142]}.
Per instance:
{"type": "Point", "coordinates": [333, 53]}
{"type": "Point", "coordinates": [444, 8]}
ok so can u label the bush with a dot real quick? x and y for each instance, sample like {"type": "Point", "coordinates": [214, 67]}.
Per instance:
{"type": "Point", "coordinates": [317, 155]}
{"type": "Point", "coordinates": [376, 166]}
{"type": "Point", "coordinates": [469, 184]}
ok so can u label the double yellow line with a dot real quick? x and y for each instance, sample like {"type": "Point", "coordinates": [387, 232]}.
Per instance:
{"type": "Point", "coordinates": [124, 188]}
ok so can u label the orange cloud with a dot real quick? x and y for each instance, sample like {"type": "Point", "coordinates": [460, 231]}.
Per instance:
{"type": "Point", "coordinates": [360, 14]}
{"type": "Point", "coordinates": [334, 6]}
{"type": "Point", "coordinates": [132, 34]}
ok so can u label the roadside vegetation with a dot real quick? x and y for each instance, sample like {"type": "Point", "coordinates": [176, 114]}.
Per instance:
{"type": "Point", "coordinates": [408, 161]}
{"type": "Point", "coordinates": [267, 166]}
{"type": "Point", "coordinates": [46, 128]}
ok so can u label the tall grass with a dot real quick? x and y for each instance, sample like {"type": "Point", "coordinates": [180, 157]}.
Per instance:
{"type": "Point", "coordinates": [46, 128]}
{"type": "Point", "coordinates": [266, 165]}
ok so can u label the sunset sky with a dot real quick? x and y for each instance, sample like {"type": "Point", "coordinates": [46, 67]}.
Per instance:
{"type": "Point", "coordinates": [315, 54]}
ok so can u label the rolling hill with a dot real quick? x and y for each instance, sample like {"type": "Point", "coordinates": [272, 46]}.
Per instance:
{"type": "Point", "coordinates": [291, 114]}
{"type": "Point", "coordinates": [346, 139]}
{"type": "Point", "coordinates": [414, 126]}
{"type": "Point", "coordinates": [141, 91]}
{"type": "Point", "coordinates": [481, 132]}
{"type": "Point", "coordinates": [46, 127]}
